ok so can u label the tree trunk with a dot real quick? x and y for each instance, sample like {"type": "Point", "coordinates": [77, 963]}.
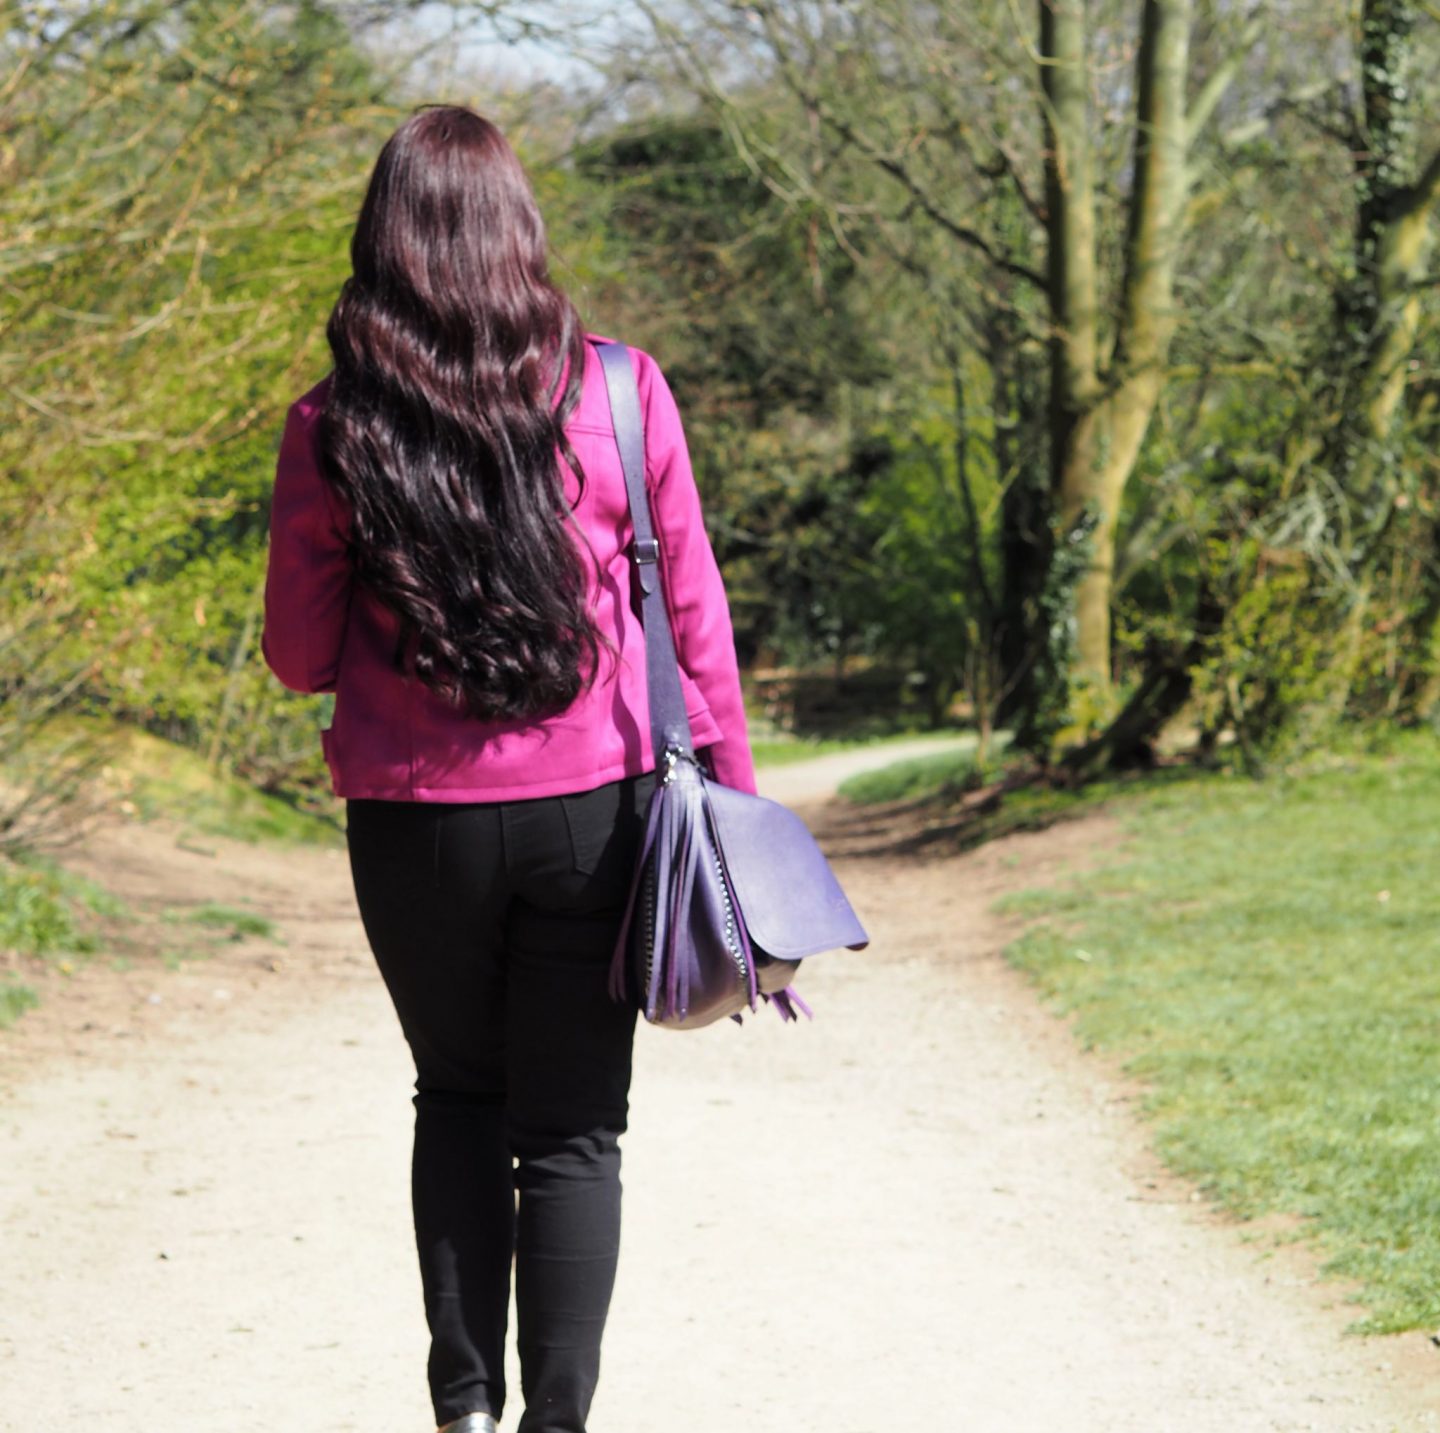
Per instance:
{"type": "Point", "coordinates": [1026, 509]}
{"type": "Point", "coordinates": [1393, 234]}
{"type": "Point", "coordinates": [1404, 248]}
{"type": "Point", "coordinates": [1128, 741]}
{"type": "Point", "coordinates": [1075, 389]}
{"type": "Point", "coordinates": [1099, 419]}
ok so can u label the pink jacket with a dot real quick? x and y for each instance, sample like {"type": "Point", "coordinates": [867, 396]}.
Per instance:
{"type": "Point", "coordinates": [396, 740]}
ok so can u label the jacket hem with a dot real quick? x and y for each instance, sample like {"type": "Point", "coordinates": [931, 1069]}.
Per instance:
{"type": "Point", "coordinates": [513, 791]}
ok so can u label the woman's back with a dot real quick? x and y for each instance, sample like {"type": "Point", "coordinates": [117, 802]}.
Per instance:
{"type": "Point", "coordinates": [396, 739]}
{"type": "Point", "coordinates": [431, 567]}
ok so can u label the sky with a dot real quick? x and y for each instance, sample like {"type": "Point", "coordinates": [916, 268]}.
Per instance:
{"type": "Point", "coordinates": [479, 45]}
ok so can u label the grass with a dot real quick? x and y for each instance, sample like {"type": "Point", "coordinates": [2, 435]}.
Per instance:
{"type": "Point", "coordinates": [54, 917]}
{"type": "Point", "coordinates": [236, 924]}
{"type": "Point", "coordinates": [77, 892]}
{"type": "Point", "coordinates": [42, 916]}
{"type": "Point", "coordinates": [172, 781]}
{"type": "Point", "coordinates": [784, 750]}
{"type": "Point", "coordinates": [15, 1000]}
{"type": "Point", "coordinates": [1264, 958]}
{"type": "Point", "coordinates": [159, 778]}
{"type": "Point", "coordinates": [944, 773]}
{"type": "Point", "coordinates": [45, 909]}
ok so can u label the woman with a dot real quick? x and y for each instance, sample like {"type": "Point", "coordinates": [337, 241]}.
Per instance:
{"type": "Point", "coordinates": [450, 555]}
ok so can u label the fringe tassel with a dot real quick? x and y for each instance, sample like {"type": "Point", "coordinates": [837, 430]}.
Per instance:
{"type": "Point", "coordinates": [678, 827]}
{"type": "Point", "coordinates": [787, 1001]}
{"type": "Point", "coordinates": [679, 819]}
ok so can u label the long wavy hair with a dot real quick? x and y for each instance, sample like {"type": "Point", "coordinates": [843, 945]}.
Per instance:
{"type": "Point", "coordinates": [441, 424]}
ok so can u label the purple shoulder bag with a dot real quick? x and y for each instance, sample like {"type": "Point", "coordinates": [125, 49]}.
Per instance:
{"type": "Point", "coordinates": [730, 891]}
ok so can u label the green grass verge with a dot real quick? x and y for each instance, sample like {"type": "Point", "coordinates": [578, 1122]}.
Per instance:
{"type": "Point", "coordinates": [40, 910]}
{"type": "Point", "coordinates": [159, 778]}
{"type": "Point", "coordinates": [57, 918]}
{"type": "Point", "coordinates": [943, 774]}
{"type": "Point", "coordinates": [784, 750]}
{"type": "Point", "coordinates": [38, 903]}
{"type": "Point", "coordinates": [15, 1000]}
{"type": "Point", "coordinates": [1263, 956]}
{"type": "Point", "coordinates": [169, 780]}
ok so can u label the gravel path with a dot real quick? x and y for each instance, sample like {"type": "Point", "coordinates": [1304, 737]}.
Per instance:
{"type": "Point", "coordinates": [924, 1212]}
{"type": "Point", "coordinates": [815, 779]}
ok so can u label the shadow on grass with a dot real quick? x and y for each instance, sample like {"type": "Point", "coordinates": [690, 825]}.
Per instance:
{"type": "Point", "coordinates": [959, 814]}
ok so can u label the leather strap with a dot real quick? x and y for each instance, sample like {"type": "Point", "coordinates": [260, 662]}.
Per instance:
{"type": "Point", "coordinates": [669, 723]}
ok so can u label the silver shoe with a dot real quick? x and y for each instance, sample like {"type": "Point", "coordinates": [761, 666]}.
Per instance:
{"type": "Point", "coordinates": [474, 1423]}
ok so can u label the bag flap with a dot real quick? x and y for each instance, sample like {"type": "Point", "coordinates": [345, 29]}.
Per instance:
{"type": "Point", "coordinates": [789, 898]}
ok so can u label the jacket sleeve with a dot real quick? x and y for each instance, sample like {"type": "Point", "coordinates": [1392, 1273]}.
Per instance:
{"type": "Point", "coordinates": [694, 591]}
{"type": "Point", "coordinates": [308, 577]}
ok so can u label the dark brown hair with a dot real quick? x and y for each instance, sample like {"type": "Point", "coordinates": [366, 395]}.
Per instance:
{"type": "Point", "coordinates": [441, 425]}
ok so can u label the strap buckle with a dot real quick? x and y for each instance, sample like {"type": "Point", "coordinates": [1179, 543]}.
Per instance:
{"type": "Point", "coordinates": [647, 550]}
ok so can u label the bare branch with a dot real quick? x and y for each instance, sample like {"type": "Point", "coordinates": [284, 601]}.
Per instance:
{"type": "Point", "coordinates": [1425, 190]}
{"type": "Point", "coordinates": [886, 160]}
{"type": "Point", "coordinates": [1220, 80]}
{"type": "Point", "coordinates": [898, 170]}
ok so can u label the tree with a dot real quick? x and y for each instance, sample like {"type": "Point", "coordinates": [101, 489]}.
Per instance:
{"type": "Point", "coordinates": [926, 99]}
{"type": "Point", "coordinates": [173, 221]}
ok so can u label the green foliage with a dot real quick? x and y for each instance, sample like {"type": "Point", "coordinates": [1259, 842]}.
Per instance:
{"type": "Point", "coordinates": [1271, 664]}
{"type": "Point", "coordinates": [751, 297]}
{"type": "Point", "coordinates": [174, 234]}
{"type": "Point", "coordinates": [1263, 956]}
{"type": "Point", "coordinates": [175, 583]}
{"type": "Point", "coordinates": [752, 308]}
{"type": "Point", "coordinates": [865, 398]}
{"type": "Point", "coordinates": [933, 507]}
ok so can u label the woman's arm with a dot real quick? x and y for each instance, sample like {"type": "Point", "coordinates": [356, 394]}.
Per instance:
{"type": "Point", "coordinates": [694, 591]}
{"type": "Point", "coordinates": [309, 577]}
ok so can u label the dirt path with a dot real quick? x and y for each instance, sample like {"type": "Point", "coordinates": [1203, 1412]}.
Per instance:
{"type": "Point", "coordinates": [816, 779]}
{"type": "Point", "coordinates": [924, 1212]}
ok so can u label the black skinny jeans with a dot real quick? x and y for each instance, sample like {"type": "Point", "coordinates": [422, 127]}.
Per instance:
{"type": "Point", "coordinates": [493, 925]}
